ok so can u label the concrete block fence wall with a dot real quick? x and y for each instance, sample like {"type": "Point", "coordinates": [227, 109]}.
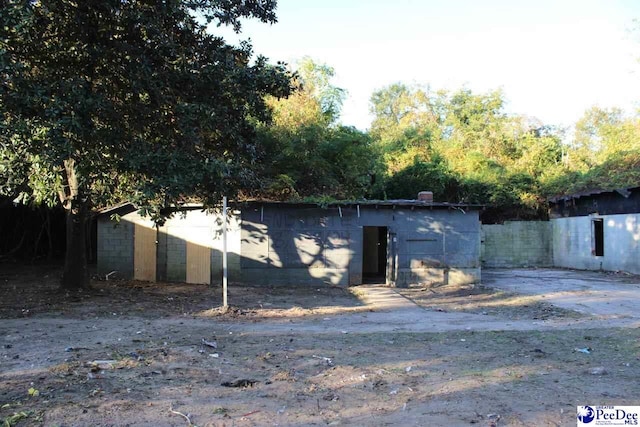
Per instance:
{"type": "Point", "coordinates": [517, 244]}
{"type": "Point", "coordinates": [565, 242]}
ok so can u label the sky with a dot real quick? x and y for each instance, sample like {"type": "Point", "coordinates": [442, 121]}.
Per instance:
{"type": "Point", "coordinates": [553, 59]}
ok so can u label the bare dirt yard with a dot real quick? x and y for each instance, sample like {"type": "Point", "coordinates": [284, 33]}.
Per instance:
{"type": "Point", "coordinates": [137, 354]}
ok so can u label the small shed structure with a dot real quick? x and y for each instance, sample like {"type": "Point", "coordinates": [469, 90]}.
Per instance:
{"type": "Point", "coordinates": [397, 242]}
{"type": "Point", "coordinates": [597, 230]}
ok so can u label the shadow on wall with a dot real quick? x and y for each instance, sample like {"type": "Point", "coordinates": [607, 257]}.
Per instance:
{"type": "Point", "coordinates": [299, 245]}
{"type": "Point", "coordinates": [188, 248]}
{"type": "Point", "coordinates": [436, 253]}
{"type": "Point", "coordinates": [281, 248]}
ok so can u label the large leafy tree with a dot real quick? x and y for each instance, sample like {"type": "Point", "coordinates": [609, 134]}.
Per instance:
{"type": "Point", "coordinates": [105, 100]}
{"type": "Point", "coordinates": [307, 153]}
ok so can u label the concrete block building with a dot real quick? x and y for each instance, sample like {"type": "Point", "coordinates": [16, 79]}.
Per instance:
{"type": "Point", "coordinates": [597, 230]}
{"type": "Point", "coordinates": [398, 242]}
{"type": "Point", "coordinates": [187, 247]}
{"type": "Point", "coordinates": [593, 230]}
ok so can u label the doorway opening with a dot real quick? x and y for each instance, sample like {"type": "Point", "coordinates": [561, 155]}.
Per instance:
{"type": "Point", "coordinates": [598, 237]}
{"type": "Point", "coordinates": [374, 254]}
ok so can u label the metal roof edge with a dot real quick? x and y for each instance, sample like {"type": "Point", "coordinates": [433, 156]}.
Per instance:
{"type": "Point", "coordinates": [624, 192]}
{"type": "Point", "coordinates": [346, 203]}
{"type": "Point", "coordinates": [397, 202]}
{"type": "Point", "coordinates": [113, 208]}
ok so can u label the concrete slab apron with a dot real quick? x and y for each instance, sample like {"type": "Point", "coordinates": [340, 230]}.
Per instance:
{"type": "Point", "coordinates": [602, 295]}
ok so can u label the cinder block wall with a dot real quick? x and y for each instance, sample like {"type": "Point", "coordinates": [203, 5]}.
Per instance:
{"type": "Point", "coordinates": [573, 243]}
{"type": "Point", "coordinates": [517, 244]}
{"type": "Point", "coordinates": [115, 247]}
{"type": "Point", "coordinates": [116, 244]}
{"type": "Point", "coordinates": [311, 245]}
{"type": "Point", "coordinates": [437, 246]}
{"type": "Point", "coordinates": [204, 229]}
{"type": "Point", "coordinates": [306, 245]}
{"type": "Point", "coordinates": [297, 246]}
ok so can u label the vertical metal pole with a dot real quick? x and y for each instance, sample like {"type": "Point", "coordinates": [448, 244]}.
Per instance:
{"type": "Point", "coordinates": [444, 246]}
{"type": "Point", "coordinates": [224, 252]}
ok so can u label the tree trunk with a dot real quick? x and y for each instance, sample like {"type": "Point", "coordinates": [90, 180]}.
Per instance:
{"type": "Point", "coordinates": [76, 273]}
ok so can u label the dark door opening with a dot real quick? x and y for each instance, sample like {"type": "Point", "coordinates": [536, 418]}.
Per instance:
{"type": "Point", "coordinates": [374, 254]}
{"type": "Point", "coordinates": [598, 237]}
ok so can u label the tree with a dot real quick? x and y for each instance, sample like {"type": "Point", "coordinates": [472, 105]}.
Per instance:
{"type": "Point", "coordinates": [306, 153]}
{"type": "Point", "coordinates": [602, 133]}
{"type": "Point", "coordinates": [464, 147]}
{"type": "Point", "coordinates": [107, 100]}
{"type": "Point", "coordinates": [399, 110]}
{"type": "Point", "coordinates": [604, 153]}
{"type": "Point", "coordinates": [315, 79]}
{"type": "Point", "coordinates": [433, 175]}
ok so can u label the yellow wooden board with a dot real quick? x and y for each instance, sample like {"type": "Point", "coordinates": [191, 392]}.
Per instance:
{"type": "Point", "coordinates": [198, 263]}
{"type": "Point", "coordinates": [144, 253]}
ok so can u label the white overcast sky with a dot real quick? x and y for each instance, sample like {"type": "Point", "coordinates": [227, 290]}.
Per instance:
{"type": "Point", "coordinates": [552, 58]}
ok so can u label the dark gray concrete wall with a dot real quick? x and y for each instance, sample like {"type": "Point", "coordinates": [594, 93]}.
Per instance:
{"type": "Point", "coordinates": [437, 246]}
{"type": "Point", "coordinates": [573, 243]}
{"type": "Point", "coordinates": [273, 244]}
{"type": "Point", "coordinates": [290, 245]}
{"type": "Point", "coordinates": [284, 245]}
{"type": "Point", "coordinates": [517, 244]}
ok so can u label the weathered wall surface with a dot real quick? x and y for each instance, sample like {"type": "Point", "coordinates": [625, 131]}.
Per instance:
{"type": "Point", "coordinates": [573, 243]}
{"type": "Point", "coordinates": [285, 245]}
{"type": "Point", "coordinates": [271, 244]}
{"type": "Point", "coordinates": [517, 244]}
{"type": "Point", "coordinates": [290, 245]}
{"type": "Point", "coordinates": [203, 229]}
{"type": "Point", "coordinates": [116, 244]}
{"type": "Point", "coordinates": [197, 228]}
{"type": "Point", "coordinates": [437, 246]}
{"type": "Point", "coordinates": [115, 247]}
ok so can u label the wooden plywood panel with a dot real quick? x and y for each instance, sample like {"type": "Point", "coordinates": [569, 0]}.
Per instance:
{"type": "Point", "coordinates": [198, 263]}
{"type": "Point", "coordinates": [144, 255]}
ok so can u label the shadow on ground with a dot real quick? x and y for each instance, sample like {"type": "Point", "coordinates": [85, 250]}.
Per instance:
{"type": "Point", "coordinates": [480, 299]}
{"type": "Point", "coordinates": [31, 291]}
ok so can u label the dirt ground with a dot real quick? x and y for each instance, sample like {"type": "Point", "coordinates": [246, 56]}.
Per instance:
{"type": "Point", "coordinates": [138, 354]}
